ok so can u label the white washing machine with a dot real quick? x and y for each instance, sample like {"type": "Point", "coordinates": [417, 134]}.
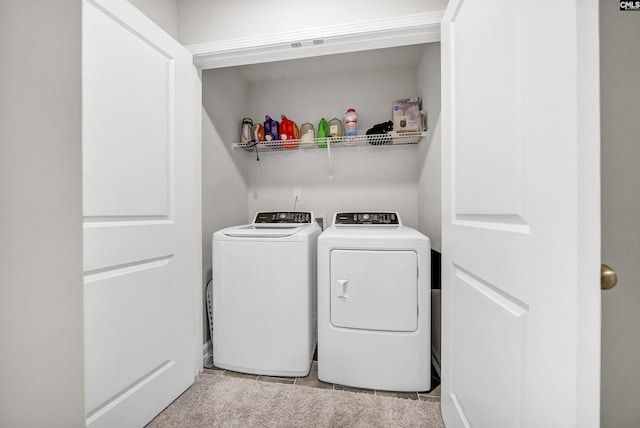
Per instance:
{"type": "Point", "coordinates": [374, 303]}
{"type": "Point", "coordinates": [264, 295]}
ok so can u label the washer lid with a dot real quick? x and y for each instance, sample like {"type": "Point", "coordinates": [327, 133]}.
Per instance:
{"type": "Point", "coordinates": [264, 231]}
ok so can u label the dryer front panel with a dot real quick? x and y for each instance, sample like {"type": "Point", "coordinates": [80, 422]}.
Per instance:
{"type": "Point", "coordinates": [374, 290]}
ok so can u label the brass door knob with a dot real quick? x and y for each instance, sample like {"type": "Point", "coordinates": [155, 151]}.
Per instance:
{"type": "Point", "coordinates": [608, 277]}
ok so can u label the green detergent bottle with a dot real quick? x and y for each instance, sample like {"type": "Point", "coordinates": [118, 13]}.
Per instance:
{"type": "Point", "coordinates": [323, 131]}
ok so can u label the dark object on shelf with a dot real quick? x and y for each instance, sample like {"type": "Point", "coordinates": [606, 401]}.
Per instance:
{"type": "Point", "coordinates": [377, 135]}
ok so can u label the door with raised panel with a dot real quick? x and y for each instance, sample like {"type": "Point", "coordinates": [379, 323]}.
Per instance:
{"type": "Point", "coordinates": [141, 216]}
{"type": "Point", "coordinates": [521, 225]}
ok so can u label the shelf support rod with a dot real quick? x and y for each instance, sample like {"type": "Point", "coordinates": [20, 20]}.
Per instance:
{"type": "Point", "coordinates": [329, 158]}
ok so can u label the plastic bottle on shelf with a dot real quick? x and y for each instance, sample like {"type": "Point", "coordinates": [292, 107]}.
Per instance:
{"type": "Point", "coordinates": [245, 136]}
{"type": "Point", "coordinates": [350, 122]}
{"type": "Point", "coordinates": [271, 131]}
{"type": "Point", "coordinates": [296, 133]}
{"type": "Point", "coordinates": [289, 133]}
{"type": "Point", "coordinates": [307, 134]}
{"type": "Point", "coordinates": [257, 134]}
{"type": "Point", "coordinates": [323, 131]}
{"type": "Point", "coordinates": [336, 129]}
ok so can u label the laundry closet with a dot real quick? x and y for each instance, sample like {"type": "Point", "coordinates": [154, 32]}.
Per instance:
{"type": "Point", "coordinates": [402, 177]}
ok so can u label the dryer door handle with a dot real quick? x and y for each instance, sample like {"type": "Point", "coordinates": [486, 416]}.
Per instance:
{"type": "Point", "coordinates": [341, 289]}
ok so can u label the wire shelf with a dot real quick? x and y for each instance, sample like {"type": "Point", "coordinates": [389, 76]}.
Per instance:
{"type": "Point", "coordinates": [378, 140]}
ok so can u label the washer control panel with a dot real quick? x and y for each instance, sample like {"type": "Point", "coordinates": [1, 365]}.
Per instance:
{"type": "Point", "coordinates": [368, 218]}
{"type": "Point", "coordinates": [284, 217]}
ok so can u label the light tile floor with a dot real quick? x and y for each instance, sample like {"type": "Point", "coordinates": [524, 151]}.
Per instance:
{"type": "Point", "coordinates": [311, 380]}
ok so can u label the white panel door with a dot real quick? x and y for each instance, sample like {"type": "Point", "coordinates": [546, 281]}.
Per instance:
{"type": "Point", "coordinates": [520, 267]}
{"type": "Point", "coordinates": [141, 216]}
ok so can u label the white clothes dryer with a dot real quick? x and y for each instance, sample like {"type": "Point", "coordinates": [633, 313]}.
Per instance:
{"type": "Point", "coordinates": [374, 303]}
{"type": "Point", "coordinates": [264, 295]}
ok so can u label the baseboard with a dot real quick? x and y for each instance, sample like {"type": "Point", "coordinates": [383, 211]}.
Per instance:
{"type": "Point", "coordinates": [207, 354]}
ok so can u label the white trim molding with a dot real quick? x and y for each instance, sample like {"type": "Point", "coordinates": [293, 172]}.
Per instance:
{"type": "Point", "coordinates": [357, 36]}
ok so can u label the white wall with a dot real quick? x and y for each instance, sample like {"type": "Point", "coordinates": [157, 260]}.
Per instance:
{"type": "Point", "coordinates": [429, 183]}
{"type": "Point", "coordinates": [162, 12]}
{"type": "Point", "coordinates": [202, 21]}
{"type": "Point", "coordinates": [620, 131]}
{"type": "Point", "coordinates": [224, 185]}
{"type": "Point", "coordinates": [41, 361]}
{"type": "Point", "coordinates": [383, 178]}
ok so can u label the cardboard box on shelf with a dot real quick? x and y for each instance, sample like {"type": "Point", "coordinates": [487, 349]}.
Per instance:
{"type": "Point", "coordinates": [403, 138]}
{"type": "Point", "coordinates": [406, 115]}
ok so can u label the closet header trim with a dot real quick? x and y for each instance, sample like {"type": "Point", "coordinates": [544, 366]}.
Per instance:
{"type": "Point", "coordinates": [327, 40]}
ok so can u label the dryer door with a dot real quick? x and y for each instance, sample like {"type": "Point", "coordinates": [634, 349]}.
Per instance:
{"type": "Point", "coordinates": [374, 290]}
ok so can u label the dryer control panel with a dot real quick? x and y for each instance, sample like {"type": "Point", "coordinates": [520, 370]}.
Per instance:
{"type": "Point", "coordinates": [284, 217]}
{"type": "Point", "coordinates": [368, 218]}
